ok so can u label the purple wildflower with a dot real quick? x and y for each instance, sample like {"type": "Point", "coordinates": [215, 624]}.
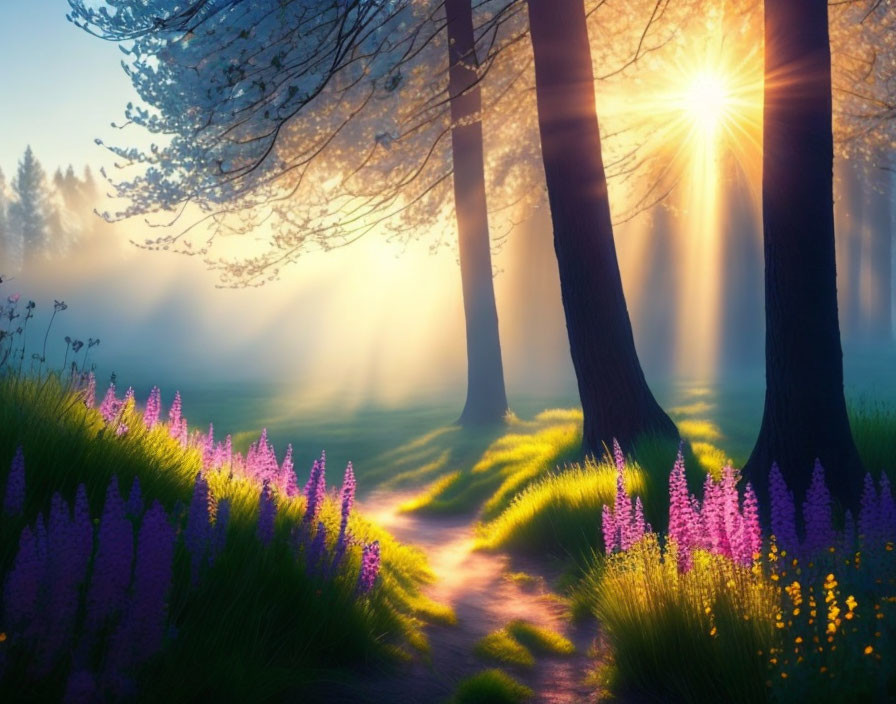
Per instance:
{"type": "Point", "coordinates": [783, 511]}
{"type": "Point", "coordinates": [82, 534]}
{"type": "Point", "coordinates": [682, 516]}
{"type": "Point", "coordinates": [153, 408]}
{"type": "Point", "coordinates": [198, 530]}
{"type": "Point", "coordinates": [24, 581]}
{"type": "Point", "coordinates": [638, 525]}
{"type": "Point", "coordinates": [174, 416]}
{"type": "Point", "coordinates": [315, 489]}
{"type": "Point", "coordinates": [869, 512]}
{"type": "Point", "coordinates": [81, 688]}
{"type": "Point", "coordinates": [110, 406]}
{"type": "Point", "coordinates": [817, 513]}
{"type": "Point", "coordinates": [112, 564]}
{"type": "Point", "coordinates": [288, 475]}
{"type": "Point", "coordinates": [622, 506]}
{"type": "Point", "coordinates": [57, 616]}
{"type": "Point", "coordinates": [267, 515]}
{"type": "Point", "coordinates": [886, 509]}
{"type": "Point", "coordinates": [608, 528]}
{"type": "Point", "coordinates": [14, 499]}
{"type": "Point", "coordinates": [152, 582]}
{"type": "Point", "coordinates": [752, 536]}
{"type": "Point", "coordinates": [370, 567]}
{"type": "Point", "coordinates": [348, 499]}
{"type": "Point", "coordinates": [208, 448]}
{"type": "Point", "coordinates": [134, 507]}
{"type": "Point", "coordinates": [316, 553]}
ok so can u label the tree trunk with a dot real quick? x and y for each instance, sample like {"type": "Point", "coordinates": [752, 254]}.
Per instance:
{"type": "Point", "coordinates": [805, 410]}
{"type": "Point", "coordinates": [486, 397]}
{"type": "Point", "coordinates": [616, 400]}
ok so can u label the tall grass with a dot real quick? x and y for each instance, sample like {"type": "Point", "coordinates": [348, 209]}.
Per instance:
{"type": "Point", "coordinates": [559, 513]}
{"type": "Point", "coordinates": [874, 430]}
{"type": "Point", "coordinates": [258, 624]}
{"type": "Point", "coordinates": [506, 467]}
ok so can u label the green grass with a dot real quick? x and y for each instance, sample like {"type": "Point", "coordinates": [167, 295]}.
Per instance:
{"type": "Point", "coordinates": [257, 625]}
{"type": "Point", "coordinates": [503, 647]}
{"type": "Point", "coordinates": [874, 430]}
{"type": "Point", "coordinates": [518, 640]}
{"type": "Point", "coordinates": [539, 639]}
{"type": "Point", "coordinates": [559, 513]}
{"type": "Point", "coordinates": [506, 467]}
{"type": "Point", "coordinates": [491, 687]}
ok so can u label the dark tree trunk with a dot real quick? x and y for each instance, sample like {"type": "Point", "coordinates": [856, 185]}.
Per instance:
{"type": "Point", "coordinates": [805, 410]}
{"type": "Point", "coordinates": [615, 398]}
{"type": "Point", "coordinates": [486, 397]}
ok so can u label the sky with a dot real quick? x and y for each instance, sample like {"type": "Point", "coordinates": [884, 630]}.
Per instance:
{"type": "Point", "coordinates": [61, 88]}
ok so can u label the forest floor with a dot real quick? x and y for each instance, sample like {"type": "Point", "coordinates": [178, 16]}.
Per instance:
{"type": "Point", "coordinates": [486, 591]}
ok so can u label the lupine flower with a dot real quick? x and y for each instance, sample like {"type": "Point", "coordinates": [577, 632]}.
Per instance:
{"type": "Point", "coordinates": [144, 623]}
{"type": "Point", "coordinates": [14, 499]}
{"type": "Point", "coordinates": [682, 516]}
{"type": "Point", "coordinates": [112, 564]}
{"type": "Point", "coordinates": [622, 506]}
{"type": "Point", "coordinates": [82, 533]}
{"type": "Point", "coordinates": [153, 408]}
{"type": "Point", "coordinates": [208, 447]}
{"type": "Point", "coordinates": [817, 513]}
{"type": "Point", "coordinates": [752, 537]}
{"type": "Point", "coordinates": [174, 416]}
{"type": "Point", "coordinates": [267, 515]}
{"type": "Point", "coordinates": [638, 525]}
{"type": "Point", "coordinates": [23, 583]}
{"type": "Point", "coordinates": [886, 509]}
{"type": "Point", "coordinates": [288, 475]}
{"type": "Point", "coordinates": [868, 512]}
{"type": "Point", "coordinates": [783, 511]}
{"type": "Point", "coordinates": [348, 500]}
{"type": "Point", "coordinates": [315, 489]}
{"type": "Point", "coordinates": [81, 688]}
{"type": "Point", "coordinates": [198, 530]}
{"type": "Point", "coordinates": [109, 407]}
{"type": "Point", "coordinates": [128, 397]}
{"type": "Point", "coordinates": [316, 553]}
{"type": "Point", "coordinates": [370, 567]}
{"type": "Point", "coordinates": [134, 507]}
{"type": "Point", "coordinates": [57, 617]}
{"type": "Point", "coordinates": [608, 528]}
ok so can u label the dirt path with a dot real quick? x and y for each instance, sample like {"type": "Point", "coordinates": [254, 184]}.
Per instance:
{"type": "Point", "coordinates": [476, 586]}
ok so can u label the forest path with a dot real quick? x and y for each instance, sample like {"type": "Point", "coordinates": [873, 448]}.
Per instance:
{"type": "Point", "coordinates": [476, 585]}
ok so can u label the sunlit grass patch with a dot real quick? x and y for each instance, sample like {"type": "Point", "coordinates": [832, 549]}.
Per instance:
{"type": "Point", "coordinates": [695, 429]}
{"type": "Point", "coordinates": [539, 639]}
{"type": "Point", "coordinates": [491, 687]}
{"type": "Point", "coordinates": [559, 513]}
{"type": "Point", "coordinates": [520, 578]}
{"type": "Point", "coordinates": [503, 647]}
{"type": "Point", "coordinates": [510, 463]}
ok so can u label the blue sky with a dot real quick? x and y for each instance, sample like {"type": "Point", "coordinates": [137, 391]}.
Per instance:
{"type": "Point", "coordinates": [59, 87]}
